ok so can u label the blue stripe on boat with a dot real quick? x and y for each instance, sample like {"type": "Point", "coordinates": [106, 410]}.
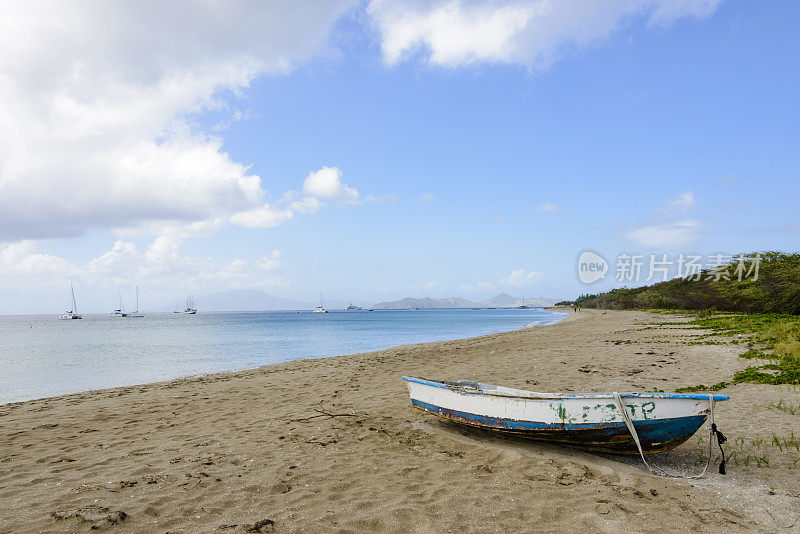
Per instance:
{"type": "Point", "coordinates": [695, 396]}
{"type": "Point", "coordinates": [654, 431]}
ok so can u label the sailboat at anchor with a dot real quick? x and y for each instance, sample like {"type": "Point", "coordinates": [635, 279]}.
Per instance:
{"type": "Point", "coordinates": [118, 312]}
{"type": "Point", "coordinates": [135, 313]}
{"type": "Point", "coordinates": [72, 313]}
{"type": "Point", "coordinates": [321, 307]}
{"type": "Point", "coordinates": [190, 309]}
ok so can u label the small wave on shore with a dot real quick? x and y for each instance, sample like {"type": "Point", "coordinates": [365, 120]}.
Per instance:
{"type": "Point", "coordinates": [557, 317]}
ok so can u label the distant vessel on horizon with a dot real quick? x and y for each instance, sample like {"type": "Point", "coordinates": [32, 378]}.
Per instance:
{"type": "Point", "coordinates": [135, 313]}
{"type": "Point", "coordinates": [190, 306]}
{"type": "Point", "coordinates": [350, 307]}
{"type": "Point", "coordinates": [118, 312]}
{"type": "Point", "coordinates": [321, 307]}
{"type": "Point", "coordinates": [73, 313]}
{"type": "Point", "coordinates": [524, 307]}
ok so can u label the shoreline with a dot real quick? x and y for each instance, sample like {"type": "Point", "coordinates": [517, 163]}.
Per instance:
{"type": "Point", "coordinates": [333, 444]}
{"type": "Point", "coordinates": [235, 370]}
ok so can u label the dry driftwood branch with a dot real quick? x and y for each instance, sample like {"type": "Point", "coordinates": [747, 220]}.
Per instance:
{"type": "Point", "coordinates": [323, 413]}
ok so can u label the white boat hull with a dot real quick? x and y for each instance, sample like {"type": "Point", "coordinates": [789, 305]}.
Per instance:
{"type": "Point", "coordinates": [592, 421]}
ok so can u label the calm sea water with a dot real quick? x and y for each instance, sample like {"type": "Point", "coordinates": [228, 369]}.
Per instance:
{"type": "Point", "coordinates": [41, 356]}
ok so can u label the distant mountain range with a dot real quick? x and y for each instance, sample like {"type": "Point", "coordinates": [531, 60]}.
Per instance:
{"type": "Point", "coordinates": [503, 300]}
{"type": "Point", "coordinates": [257, 300]}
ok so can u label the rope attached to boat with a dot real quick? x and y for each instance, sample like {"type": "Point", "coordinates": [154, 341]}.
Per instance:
{"type": "Point", "coordinates": [660, 471]}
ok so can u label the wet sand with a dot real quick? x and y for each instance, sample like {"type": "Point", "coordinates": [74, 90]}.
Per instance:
{"type": "Point", "coordinates": [334, 445]}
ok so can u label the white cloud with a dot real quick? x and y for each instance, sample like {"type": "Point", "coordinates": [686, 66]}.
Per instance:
{"type": "Point", "coordinates": [521, 278]}
{"type": "Point", "coordinates": [164, 250]}
{"type": "Point", "coordinates": [161, 268]}
{"type": "Point", "coordinates": [266, 216]}
{"type": "Point", "coordinates": [426, 197]}
{"type": "Point", "coordinates": [547, 207]}
{"type": "Point", "coordinates": [669, 236]}
{"type": "Point", "coordinates": [667, 12]}
{"type": "Point", "coordinates": [23, 261]}
{"type": "Point", "coordinates": [98, 101]}
{"type": "Point", "coordinates": [320, 187]}
{"type": "Point", "coordinates": [270, 262]}
{"type": "Point", "coordinates": [326, 184]}
{"type": "Point", "coordinates": [307, 205]}
{"type": "Point", "coordinates": [680, 205]}
{"type": "Point", "coordinates": [454, 33]}
{"type": "Point", "coordinates": [98, 129]}
{"type": "Point", "coordinates": [121, 259]}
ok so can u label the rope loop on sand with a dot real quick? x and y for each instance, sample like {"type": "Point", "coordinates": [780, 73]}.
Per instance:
{"type": "Point", "coordinates": [663, 472]}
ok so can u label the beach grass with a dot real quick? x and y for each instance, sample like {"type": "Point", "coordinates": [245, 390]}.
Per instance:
{"type": "Point", "coordinates": [776, 335]}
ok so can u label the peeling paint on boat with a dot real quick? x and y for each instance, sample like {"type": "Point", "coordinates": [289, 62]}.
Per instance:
{"type": "Point", "coordinates": [592, 421]}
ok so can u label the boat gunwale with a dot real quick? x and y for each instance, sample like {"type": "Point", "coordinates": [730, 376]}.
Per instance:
{"type": "Point", "coordinates": [533, 395]}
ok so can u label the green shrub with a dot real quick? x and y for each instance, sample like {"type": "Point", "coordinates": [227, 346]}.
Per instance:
{"type": "Point", "coordinates": [777, 290]}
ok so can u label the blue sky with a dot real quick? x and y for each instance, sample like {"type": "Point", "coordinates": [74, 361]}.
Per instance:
{"type": "Point", "coordinates": [328, 159]}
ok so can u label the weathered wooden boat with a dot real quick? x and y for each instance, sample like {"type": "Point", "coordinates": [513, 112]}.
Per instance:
{"type": "Point", "coordinates": [592, 421]}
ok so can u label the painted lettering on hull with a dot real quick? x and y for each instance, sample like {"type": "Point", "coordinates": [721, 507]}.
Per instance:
{"type": "Point", "coordinates": [608, 412]}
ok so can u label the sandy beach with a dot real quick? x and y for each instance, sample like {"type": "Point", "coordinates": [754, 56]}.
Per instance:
{"type": "Point", "coordinates": [334, 445]}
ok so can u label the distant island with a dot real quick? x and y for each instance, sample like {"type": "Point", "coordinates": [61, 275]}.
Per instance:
{"type": "Point", "coordinates": [503, 300]}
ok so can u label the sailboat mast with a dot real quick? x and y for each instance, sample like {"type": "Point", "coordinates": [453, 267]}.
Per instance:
{"type": "Point", "coordinates": [72, 291]}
